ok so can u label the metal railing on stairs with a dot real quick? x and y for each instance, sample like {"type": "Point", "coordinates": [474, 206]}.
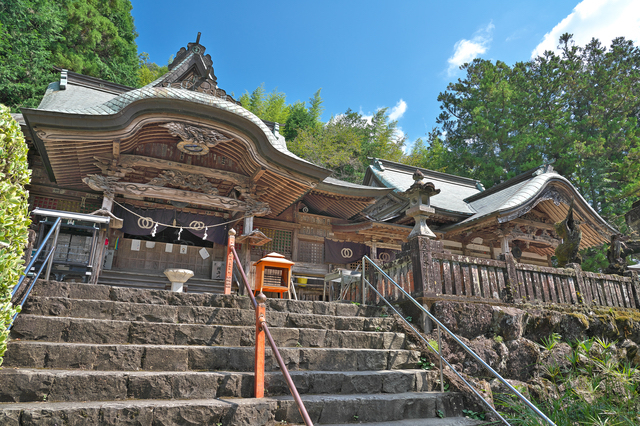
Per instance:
{"type": "Point", "coordinates": [262, 330]}
{"type": "Point", "coordinates": [47, 261]}
{"type": "Point", "coordinates": [440, 327]}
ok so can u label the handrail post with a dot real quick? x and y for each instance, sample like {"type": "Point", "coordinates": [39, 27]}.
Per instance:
{"type": "Point", "coordinates": [228, 277]}
{"type": "Point", "coordinates": [53, 250]}
{"type": "Point", "coordinates": [259, 353]}
{"type": "Point", "coordinates": [440, 356]}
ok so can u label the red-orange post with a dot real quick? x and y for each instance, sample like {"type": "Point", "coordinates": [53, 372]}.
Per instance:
{"type": "Point", "coordinates": [229, 267]}
{"type": "Point", "coordinates": [259, 358]}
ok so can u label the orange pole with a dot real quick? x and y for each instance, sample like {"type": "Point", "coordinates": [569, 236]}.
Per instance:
{"type": "Point", "coordinates": [259, 358]}
{"type": "Point", "coordinates": [229, 267]}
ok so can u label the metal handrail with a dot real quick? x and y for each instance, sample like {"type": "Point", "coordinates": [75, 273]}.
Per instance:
{"type": "Point", "coordinates": [55, 229]}
{"type": "Point", "coordinates": [465, 347]}
{"type": "Point", "coordinates": [274, 348]}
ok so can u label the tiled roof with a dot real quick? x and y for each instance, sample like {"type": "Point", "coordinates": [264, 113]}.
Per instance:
{"type": "Point", "coordinates": [453, 189]}
{"type": "Point", "coordinates": [73, 98]}
{"type": "Point", "coordinates": [511, 196]}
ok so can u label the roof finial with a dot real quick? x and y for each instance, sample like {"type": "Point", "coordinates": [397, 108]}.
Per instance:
{"type": "Point", "coordinates": [198, 39]}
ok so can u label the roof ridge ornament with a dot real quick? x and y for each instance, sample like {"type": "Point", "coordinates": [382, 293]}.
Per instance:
{"type": "Point", "coordinates": [545, 168]}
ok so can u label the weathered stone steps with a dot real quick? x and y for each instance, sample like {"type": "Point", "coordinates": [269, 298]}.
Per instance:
{"type": "Point", "coordinates": [237, 412]}
{"type": "Point", "coordinates": [162, 297]}
{"type": "Point", "coordinates": [127, 311]}
{"type": "Point", "coordinates": [447, 421]}
{"type": "Point", "coordinates": [130, 357]}
{"type": "Point", "coordinates": [85, 330]}
{"type": "Point", "coordinates": [30, 385]}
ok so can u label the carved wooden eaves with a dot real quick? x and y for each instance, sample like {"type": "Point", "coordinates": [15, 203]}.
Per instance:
{"type": "Point", "coordinates": [111, 186]}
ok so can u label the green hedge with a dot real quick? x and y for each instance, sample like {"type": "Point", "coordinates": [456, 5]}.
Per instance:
{"type": "Point", "coordinates": [14, 215]}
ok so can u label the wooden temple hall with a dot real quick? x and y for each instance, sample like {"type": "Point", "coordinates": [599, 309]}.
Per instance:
{"type": "Point", "coordinates": [178, 163]}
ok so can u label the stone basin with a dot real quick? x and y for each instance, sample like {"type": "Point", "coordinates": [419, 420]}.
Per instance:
{"type": "Point", "coordinates": [178, 277]}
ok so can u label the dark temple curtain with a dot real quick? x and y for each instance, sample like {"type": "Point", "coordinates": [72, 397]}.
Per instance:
{"type": "Point", "coordinates": [343, 252]}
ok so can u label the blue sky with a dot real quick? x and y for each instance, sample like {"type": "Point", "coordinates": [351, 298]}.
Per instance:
{"type": "Point", "coordinates": [370, 54]}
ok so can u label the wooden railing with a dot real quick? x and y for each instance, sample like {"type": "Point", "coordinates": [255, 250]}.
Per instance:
{"type": "Point", "coordinates": [472, 278]}
{"type": "Point", "coordinates": [457, 275]}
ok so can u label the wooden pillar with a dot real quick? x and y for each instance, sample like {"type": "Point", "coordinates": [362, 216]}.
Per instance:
{"type": "Point", "coordinates": [245, 253]}
{"type": "Point", "coordinates": [374, 250]}
{"type": "Point", "coordinates": [101, 243]}
{"type": "Point", "coordinates": [259, 350]}
{"type": "Point", "coordinates": [512, 289]}
{"type": "Point", "coordinates": [504, 245]}
{"type": "Point", "coordinates": [635, 287]}
{"type": "Point", "coordinates": [107, 202]}
{"type": "Point", "coordinates": [295, 245]}
{"type": "Point", "coordinates": [228, 276]}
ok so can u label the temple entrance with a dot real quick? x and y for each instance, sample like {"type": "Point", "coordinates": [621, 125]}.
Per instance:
{"type": "Point", "coordinates": [152, 240]}
{"type": "Point", "coordinates": [151, 256]}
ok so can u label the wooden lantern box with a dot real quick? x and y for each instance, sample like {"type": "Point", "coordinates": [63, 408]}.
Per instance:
{"type": "Point", "coordinates": [273, 274]}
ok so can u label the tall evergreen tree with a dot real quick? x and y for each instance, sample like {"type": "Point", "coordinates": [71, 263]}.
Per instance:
{"type": "Point", "coordinates": [91, 37]}
{"type": "Point", "coordinates": [578, 110]}
{"type": "Point", "coordinates": [28, 29]}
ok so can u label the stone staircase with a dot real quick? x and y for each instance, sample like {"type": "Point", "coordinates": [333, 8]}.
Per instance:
{"type": "Point", "coordinates": [94, 354]}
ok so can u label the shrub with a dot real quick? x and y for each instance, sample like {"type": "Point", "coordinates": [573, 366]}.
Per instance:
{"type": "Point", "coordinates": [14, 215]}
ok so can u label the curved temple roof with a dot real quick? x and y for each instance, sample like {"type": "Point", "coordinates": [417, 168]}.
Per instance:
{"type": "Point", "coordinates": [469, 204]}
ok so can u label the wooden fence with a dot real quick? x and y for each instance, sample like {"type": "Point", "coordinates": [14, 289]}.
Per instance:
{"type": "Point", "coordinates": [465, 277]}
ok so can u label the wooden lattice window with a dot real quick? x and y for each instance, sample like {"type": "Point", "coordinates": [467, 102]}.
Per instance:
{"type": "Point", "coordinates": [280, 243]}
{"type": "Point", "coordinates": [309, 251]}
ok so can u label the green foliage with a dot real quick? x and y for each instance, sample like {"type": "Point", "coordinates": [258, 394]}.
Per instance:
{"type": "Point", "coordinates": [578, 110]}
{"type": "Point", "coordinates": [425, 364]}
{"type": "Point", "coordinates": [14, 216]}
{"type": "Point", "coordinates": [347, 141]}
{"type": "Point", "coordinates": [98, 39]}
{"type": "Point", "coordinates": [470, 414]}
{"type": "Point", "coordinates": [594, 259]}
{"type": "Point", "coordinates": [92, 37]}
{"type": "Point", "coordinates": [149, 71]}
{"type": "Point", "coordinates": [550, 341]}
{"type": "Point", "coordinates": [594, 390]}
{"type": "Point", "coordinates": [270, 107]}
{"type": "Point", "coordinates": [26, 38]}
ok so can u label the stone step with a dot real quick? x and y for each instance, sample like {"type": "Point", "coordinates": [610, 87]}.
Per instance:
{"type": "Point", "coordinates": [162, 297]}
{"type": "Point", "coordinates": [127, 311]}
{"type": "Point", "coordinates": [436, 421]}
{"type": "Point", "coordinates": [87, 330]}
{"type": "Point", "coordinates": [238, 412]}
{"type": "Point", "coordinates": [132, 357]}
{"type": "Point", "coordinates": [29, 385]}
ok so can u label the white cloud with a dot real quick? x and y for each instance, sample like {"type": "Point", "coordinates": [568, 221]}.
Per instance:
{"type": "Point", "coordinates": [601, 19]}
{"type": "Point", "coordinates": [467, 50]}
{"type": "Point", "coordinates": [398, 111]}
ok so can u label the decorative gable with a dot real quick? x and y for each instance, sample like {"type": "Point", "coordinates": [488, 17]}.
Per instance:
{"type": "Point", "coordinates": [193, 70]}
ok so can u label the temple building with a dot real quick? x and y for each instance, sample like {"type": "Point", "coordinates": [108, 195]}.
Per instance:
{"type": "Point", "coordinates": [179, 162]}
